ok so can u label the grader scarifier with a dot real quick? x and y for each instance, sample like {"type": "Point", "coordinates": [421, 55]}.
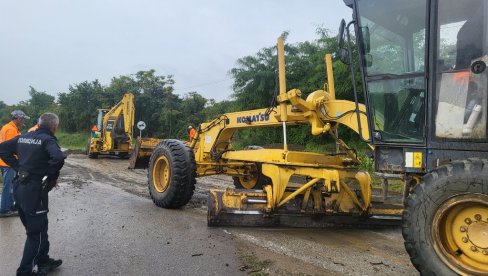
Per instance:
{"type": "Point", "coordinates": [424, 77]}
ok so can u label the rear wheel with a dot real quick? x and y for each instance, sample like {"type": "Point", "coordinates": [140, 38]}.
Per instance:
{"type": "Point", "coordinates": [171, 174]}
{"type": "Point", "coordinates": [445, 222]}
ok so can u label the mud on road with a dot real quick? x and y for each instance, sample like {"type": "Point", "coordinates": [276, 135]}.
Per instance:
{"type": "Point", "coordinates": [273, 251]}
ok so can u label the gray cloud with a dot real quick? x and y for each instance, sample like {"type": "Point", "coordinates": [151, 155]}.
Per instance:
{"type": "Point", "coordinates": [52, 44]}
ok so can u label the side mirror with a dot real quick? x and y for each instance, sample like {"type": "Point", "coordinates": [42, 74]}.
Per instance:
{"type": "Point", "coordinates": [343, 53]}
{"type": "Point", "coordinates": [366, 39]}
{"type": "Point", "coordinates": [344, 56]}
{"type": "Point", "coordinates": [340, 36]}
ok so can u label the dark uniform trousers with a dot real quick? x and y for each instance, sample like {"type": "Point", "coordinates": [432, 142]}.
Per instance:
{"type": "Point", "coordinates": [33, 207]}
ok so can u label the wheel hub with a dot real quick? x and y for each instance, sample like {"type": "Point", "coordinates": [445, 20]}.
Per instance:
{"type": "Point", "coordinates": [472, 234]}
{"type": "Point", "coordinates": [478, 234]}
{"type": "Point", "coordinates": [161, 174]}
{"type": "Point", "coordinates": [460, 233]}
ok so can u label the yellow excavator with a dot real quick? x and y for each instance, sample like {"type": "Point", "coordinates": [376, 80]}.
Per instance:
{"type": "Point", "coordinates": [423, 71]}
{"type": "Point", "coordinates": [112, 135]}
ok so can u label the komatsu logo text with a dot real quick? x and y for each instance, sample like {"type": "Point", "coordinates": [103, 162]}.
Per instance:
{"type": "Point", "coordinates": [253, 118]}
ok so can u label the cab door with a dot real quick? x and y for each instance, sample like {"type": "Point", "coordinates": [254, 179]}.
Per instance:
{"type": "Point", "coordinates": [458, 117]}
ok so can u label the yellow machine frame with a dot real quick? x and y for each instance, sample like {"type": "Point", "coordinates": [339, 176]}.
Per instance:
{"type": "Point", "coordinates": [102, 141]}
{"type": "Point", "coordinates": [333, 183]}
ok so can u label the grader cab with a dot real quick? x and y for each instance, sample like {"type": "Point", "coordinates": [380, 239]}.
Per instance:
{"type": "Point", "coordinates": [424, 78]}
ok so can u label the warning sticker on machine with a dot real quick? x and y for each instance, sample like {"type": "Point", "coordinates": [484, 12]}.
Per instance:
{"type": "Point", "coordinates": [417, 160]}
{"type": "Point", "coordinates": [413, 160]}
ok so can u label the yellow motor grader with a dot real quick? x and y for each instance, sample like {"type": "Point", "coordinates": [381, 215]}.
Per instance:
{"type": "Point", "coordinates": [424, 77]}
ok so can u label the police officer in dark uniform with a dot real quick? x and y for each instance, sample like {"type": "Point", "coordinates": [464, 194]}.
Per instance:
{"type": "Point", "coordinates": [39, 161]}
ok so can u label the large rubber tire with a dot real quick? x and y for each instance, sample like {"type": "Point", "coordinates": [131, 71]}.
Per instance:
{"type": "Point", "coordinates": [171, 174]}
{"type": "Point", "coordinates": [461, 182]}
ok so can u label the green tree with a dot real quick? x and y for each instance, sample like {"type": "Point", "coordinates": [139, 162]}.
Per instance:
{"type": "Point", "coordinates": [39, 103]}
{"type": "Point", "coordinates": [78, 107]}
{"type": "Point", "coordinates": [255, 82]}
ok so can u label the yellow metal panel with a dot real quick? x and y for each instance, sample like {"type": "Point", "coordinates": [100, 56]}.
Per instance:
{"type": "Point", "coordinates": [417, 160]}
{"type": "Point", "coordinates": [330, 76]}
{"type": "Point", "coordinates": [282, 77]}
{"type": "Point", "coordinates": [298, 158]}
{"type": "Point", "coordinates": [280, 177]}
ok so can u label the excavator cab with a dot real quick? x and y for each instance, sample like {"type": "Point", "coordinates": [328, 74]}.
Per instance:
{"type": "Point", "coordinates": [424, 79]}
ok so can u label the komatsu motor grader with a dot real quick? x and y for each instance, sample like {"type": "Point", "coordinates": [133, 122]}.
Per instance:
{"type": "Point", "coordinates": [112, 135]}
{"type": "Point", "coordinates": [424, 77]}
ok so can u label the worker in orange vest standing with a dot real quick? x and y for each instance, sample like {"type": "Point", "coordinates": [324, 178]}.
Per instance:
{"type": "Point", "coordinates": [9, 131]}
{"type": "Point", "coordinates": [191, 132]}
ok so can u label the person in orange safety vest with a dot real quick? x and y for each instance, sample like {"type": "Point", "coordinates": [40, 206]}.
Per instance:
{"type": "Point", "coordinates": [191, 132]}
{"type": "Point", "coordinates": [10, 131]}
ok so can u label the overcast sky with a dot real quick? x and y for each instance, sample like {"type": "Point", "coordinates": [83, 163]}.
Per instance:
{"type": "Point", "coordinates": [51, 44]}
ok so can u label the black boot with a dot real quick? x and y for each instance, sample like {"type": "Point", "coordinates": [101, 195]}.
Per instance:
{"type": "Point", "coordinates": [49, 265]}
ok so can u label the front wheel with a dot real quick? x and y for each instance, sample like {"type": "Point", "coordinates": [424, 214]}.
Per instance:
{"type": "Point", "coordinates": [171, 174]}
{"type": "Point", "coordinates": [445, 221]}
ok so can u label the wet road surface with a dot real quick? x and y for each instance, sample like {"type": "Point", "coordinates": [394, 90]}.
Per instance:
{"type": "Point", "coordinates": [103, 223]}
{"type": "Point", "coordinates": [102, 230]}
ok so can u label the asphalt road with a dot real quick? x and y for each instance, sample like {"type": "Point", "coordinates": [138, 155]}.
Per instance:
{"type": "Point", "coordinates": [103, 223]}
{"type": "Point", "coordinates": [102, 230]}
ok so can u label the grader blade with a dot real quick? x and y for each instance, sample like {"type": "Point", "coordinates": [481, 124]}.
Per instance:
{"type": "Point", "coordinates": [247, 208]}
{"type": "Point", "coordinates": [139, 157]}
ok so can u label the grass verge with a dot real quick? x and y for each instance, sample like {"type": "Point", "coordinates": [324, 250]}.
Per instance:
{"type": "Point", "coordinates": [74, 141]}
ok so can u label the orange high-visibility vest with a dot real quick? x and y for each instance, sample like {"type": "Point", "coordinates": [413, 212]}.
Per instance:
{"type": "Point", "coordinates": [8, 131]}
{"type": "Point", "coordinates": [193, 132]}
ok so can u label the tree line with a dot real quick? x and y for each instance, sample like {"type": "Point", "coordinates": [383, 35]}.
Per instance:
{"type": "Point", "coordinates": [168, 114]}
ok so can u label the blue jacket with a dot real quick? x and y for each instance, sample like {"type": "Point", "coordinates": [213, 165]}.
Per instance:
{"type": "Point", "coordinates": [38, 153]}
